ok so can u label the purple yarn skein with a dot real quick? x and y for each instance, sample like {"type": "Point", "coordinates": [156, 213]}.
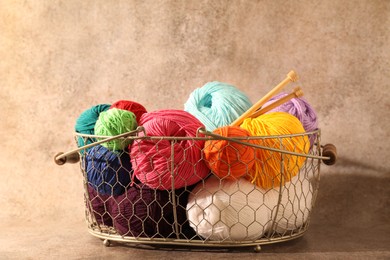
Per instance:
{"type": "Point", "coordinates": [299, 108]}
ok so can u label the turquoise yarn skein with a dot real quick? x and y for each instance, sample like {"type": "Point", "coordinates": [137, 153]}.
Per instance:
{"type": "Point", "coordinates": [217, 104]}
{"type": "Point", "coordinates": [114, 122]}
{"type": "Point", "coordinates": [85, 123]}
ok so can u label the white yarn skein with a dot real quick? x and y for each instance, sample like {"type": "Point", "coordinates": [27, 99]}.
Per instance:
{"type": "Point", "coordinates": [295, 205]}
{"type": "Point", "coordinates": [228, 210]}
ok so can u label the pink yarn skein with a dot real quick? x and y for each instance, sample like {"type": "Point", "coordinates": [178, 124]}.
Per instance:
{"type": "Point", "coordinates": [152, 158]}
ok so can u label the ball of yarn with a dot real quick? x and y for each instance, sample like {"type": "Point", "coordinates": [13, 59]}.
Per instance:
{"type": "Point", "coordinates": [98, 204]}
{"type": "Point", "coordinates": [131, 106]}
{"type": "Point", "coordinates": [114, 122]}
{"type": "Point", "coordinates": [108, 172]}
{"type": "Point", "coordinates": [227, 210]}
{"type": "Point", "coordinates": [85, 123]}
{"type": "Point", "coordinates": [299, 108]}
{"type": "Point", "coordinates": [266, 171]}
{"type": "Point", "coordinates": [217, 104]}
{"type": "Point", "coordinates": [227, 159]}
{"type": "Point", "coordinates": [157, 161]}
{"type": "Point", "coordinates": [295, 205]}
{"type": "Point", "coordinates": [145, 212]}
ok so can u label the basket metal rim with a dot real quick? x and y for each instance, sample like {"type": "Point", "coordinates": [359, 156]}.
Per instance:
{"type": "Point", "coordinates": [194, 242]}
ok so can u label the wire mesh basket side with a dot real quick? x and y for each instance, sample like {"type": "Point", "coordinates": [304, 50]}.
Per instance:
{"type": "Point", "coordinates": [131, 211]}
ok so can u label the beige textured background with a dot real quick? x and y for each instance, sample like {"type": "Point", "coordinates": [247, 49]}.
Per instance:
{"type": "Point", "coordinates": [58, 58]}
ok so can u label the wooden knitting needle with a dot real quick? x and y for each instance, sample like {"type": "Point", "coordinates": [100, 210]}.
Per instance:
{"type": "Point", "coordinates": [297, 92]}
{"type": "Point", "coordinates": [291, 77]}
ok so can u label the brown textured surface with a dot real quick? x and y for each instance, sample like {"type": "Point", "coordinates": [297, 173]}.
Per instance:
{"type": "Point", "coordinates": [58, 58]}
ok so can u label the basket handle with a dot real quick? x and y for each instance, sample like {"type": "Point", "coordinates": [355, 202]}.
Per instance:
{"type": "Point", "coordinates": [74, 157]}
{"type": "Point", "coordinates": [62, 158]}
{"type": "Point", "coordinates": [240, 140]}
{"type": "Point", "coordinates": [330, 151]}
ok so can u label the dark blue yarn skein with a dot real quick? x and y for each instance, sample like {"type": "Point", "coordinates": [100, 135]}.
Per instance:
{"type": "Point", "coordinates": [108, 172]}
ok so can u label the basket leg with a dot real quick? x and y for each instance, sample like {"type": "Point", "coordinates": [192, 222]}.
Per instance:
{"type": "Point", "coordinates": [257, 248]}
{"type": "Point", "coordinates": [106, 242]}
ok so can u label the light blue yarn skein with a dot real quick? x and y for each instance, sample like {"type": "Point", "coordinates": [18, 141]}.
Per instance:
{"type": "Point", "coordinates": [217, 104]}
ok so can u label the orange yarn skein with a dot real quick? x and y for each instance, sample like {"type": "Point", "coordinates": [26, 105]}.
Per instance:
{"type": "Point", "coordinates": [273, 168]}
{"type": "Point", "coordinates": [228, 159]}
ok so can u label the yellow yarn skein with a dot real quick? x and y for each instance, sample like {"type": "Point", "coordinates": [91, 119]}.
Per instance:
{"type": "Point", "coordinates": [274, 168]}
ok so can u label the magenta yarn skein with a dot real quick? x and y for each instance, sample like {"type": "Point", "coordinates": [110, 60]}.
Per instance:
{"type": "Point", "coordinates": [152, 159]}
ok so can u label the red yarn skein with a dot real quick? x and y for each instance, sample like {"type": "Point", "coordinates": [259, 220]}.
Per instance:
{"type": "Point", "coordinates": [131, 106]}
{"type": "Point", "coordinates": [226, 159]}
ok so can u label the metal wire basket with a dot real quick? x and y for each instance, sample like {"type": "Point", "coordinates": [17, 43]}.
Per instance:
{"type": "Point", "coordinates": [173, 211]}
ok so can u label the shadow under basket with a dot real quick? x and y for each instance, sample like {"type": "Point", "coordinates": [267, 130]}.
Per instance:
{"type": "Point", "coordinates": [213, 213]}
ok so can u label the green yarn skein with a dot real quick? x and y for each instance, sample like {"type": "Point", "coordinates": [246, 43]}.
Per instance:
{"type": "Point", "coordinates": [114, 122]}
